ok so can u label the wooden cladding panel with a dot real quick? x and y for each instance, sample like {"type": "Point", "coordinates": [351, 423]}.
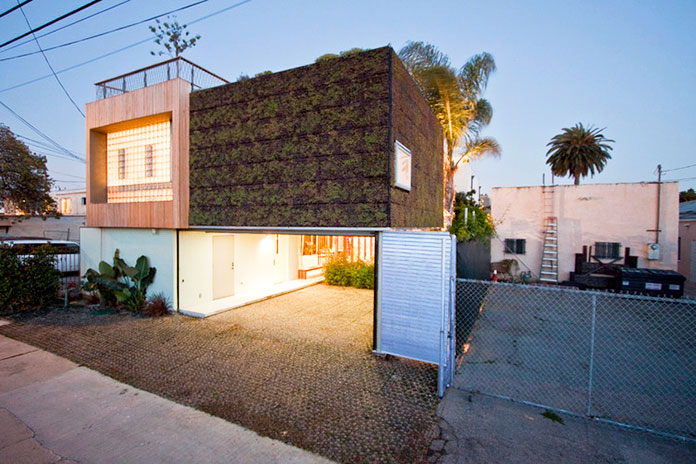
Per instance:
{"type": "Point", "coordinates": [137, 108]}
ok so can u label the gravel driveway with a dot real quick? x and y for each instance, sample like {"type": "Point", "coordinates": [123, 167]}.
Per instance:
{"type": "Point", "coordinates": [295, 368]}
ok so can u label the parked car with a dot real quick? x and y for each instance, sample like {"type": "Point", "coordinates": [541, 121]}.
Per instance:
{"type": "Point", "coordinates": [67, 253]}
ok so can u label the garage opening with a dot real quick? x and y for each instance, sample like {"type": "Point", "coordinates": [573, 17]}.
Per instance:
{"type": "Point", "coordinates": [219, 271]}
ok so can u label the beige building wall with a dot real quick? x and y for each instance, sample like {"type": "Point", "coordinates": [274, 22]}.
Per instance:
{"type": "Point", "coordinates": [624, 213]}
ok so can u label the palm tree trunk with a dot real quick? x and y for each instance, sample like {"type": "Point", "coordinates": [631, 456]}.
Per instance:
{"type": "Point", "coordinates": [448, 185]}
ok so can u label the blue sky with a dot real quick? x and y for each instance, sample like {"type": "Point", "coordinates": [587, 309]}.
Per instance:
{"type": "Point", "coordinates": [629, 66]}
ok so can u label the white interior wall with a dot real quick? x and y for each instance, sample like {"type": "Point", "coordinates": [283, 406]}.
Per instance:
{"type": "Point", "coordinates": [253, 262]}
{"type": "Point", "coordinates": [159, 245]}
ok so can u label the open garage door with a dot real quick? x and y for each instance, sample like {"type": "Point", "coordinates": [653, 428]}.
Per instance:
{"type": "Point", "coordinates": [415, 294]}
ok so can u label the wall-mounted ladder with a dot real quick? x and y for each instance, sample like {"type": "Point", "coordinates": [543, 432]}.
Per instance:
{"type": "Point", "coordinates": [549, 255]}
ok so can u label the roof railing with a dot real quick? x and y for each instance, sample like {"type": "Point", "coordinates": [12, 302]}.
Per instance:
{"type": "Point", "coordinates": [175, 68]}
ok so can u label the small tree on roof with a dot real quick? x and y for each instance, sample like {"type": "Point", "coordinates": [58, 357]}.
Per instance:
{"type": "Point", "coordinates": [173, 37]}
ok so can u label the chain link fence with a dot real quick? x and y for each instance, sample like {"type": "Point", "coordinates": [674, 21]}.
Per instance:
{"type": "Point", "coordinates": [198, 77]}
{"type": "Point", "coordinates": [627, 359]}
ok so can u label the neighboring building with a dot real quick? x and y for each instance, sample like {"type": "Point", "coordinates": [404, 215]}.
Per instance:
{"type": "Point", "coordinates": [71, 202]}
{"type": "Point", "coordinates": [465, 180]}
{"type": "Point", "coordinates": [687, 245]}
{"type": "Point", "coordinates": [609, 219]}
{"type": "Point", "coordinates": [72, 205]}
{"type": "Point", "coordinates": [243, 190]}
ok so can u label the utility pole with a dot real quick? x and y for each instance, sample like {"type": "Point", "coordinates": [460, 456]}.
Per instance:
{"type": "Point", "coordinates": [659, 193]}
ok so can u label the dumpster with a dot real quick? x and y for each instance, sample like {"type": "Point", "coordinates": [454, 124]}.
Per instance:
{"type": "Point", "coordinates": [655, 282]}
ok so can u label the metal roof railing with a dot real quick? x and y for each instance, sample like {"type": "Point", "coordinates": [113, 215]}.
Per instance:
{"type": "Point", "coordinates": [179, 67]}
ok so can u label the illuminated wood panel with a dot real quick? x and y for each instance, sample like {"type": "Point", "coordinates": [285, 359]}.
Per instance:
{"type": "Point", "coordinates": [168, 101]}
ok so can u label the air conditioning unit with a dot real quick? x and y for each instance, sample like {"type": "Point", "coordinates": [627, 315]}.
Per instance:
{"type": "Point", "coordinates": [653, 251]}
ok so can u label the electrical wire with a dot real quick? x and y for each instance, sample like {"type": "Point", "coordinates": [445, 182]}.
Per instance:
{"type": "Point", "coordinates": [64, 27]}
{"type": "Point", "coordinates": [678, 169]}
{"type": "Point", "coordinates": [53, 21]}
{"type": "Point", "coordinates": [679, 180]}
{"type": "Point", "coordinates": [135, 44]}
{"type": "Point", "coordinates": [6, 12]}
{"type": "Point", "coordinates": [41, 134]}
{"type": "Point", "coordinates": [101, 34]}
{"type": "Point", "coordinates": [65, 91]}
{"type": "Point", "coordinates": [44, 145]}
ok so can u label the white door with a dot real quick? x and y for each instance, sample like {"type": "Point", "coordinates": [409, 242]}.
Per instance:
{"type": "Point", "coordinates": [223, 266]}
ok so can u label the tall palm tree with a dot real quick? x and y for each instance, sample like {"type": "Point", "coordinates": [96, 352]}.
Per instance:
{"type": "Point", "coordinates": [578, 151]}
{"type": "Point", "coordinates": [456, 98]}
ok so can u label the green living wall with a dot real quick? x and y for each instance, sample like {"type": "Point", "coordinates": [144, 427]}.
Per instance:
{"type": "Point", "coordinates": [305, 147]}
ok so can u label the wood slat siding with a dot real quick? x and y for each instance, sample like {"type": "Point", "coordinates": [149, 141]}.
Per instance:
{"type": "Point", "coordinates": [117, 113]}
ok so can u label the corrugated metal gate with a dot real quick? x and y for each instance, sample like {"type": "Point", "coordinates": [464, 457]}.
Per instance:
{"type": "Point", "coordinates": [415, 294]}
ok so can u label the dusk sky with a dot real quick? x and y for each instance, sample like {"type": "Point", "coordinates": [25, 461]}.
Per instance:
{"type": "Point", "coordinates": [629, 66]}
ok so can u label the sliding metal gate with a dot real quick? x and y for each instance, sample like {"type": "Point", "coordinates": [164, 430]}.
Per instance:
{"type": "Point", "coordinates": [415, 294]}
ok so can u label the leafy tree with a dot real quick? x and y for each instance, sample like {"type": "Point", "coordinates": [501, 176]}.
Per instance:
{"type": "Point", "coordinates": [687, 195]}
{"type": "Point", "coordinates": [456, 98]}
{"type": "Point", "coordinates": [173, 37]}
{"type": "Point", "coordinates": [578, 151]}
{"type": "Point", "coordinates": [471, 221]}
{"type": "Point", "coordinates": [24, 180]}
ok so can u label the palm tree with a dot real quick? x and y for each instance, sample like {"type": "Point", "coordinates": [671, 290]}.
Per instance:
{"type": "Point", "coordinates": [578, 151]}
{"type": "Point", "coordinates": [456, 98]}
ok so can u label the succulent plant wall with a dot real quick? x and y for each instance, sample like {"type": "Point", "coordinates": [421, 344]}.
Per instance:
{"type": "Point", "coordinates": [308, 147]}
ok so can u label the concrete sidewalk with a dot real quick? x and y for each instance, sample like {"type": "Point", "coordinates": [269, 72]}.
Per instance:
{"type": "Point", "coordinates": [481, 429]}
{"type": "Point", "coordinates": [52, 410]}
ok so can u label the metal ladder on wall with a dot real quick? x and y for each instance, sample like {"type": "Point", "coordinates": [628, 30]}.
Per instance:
{"type": "Point", "coordinates": [549, 255]}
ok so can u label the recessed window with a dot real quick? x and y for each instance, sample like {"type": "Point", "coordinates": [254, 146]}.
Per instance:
{"type": "Point", "coordinates": [516, 246]}
{"type": "Point", "coordinates": [607, 250]}
{"type": "Point", "coordinates": [122, 164]}
{"type": "Point", "coordinates": [84, 200]}
{"type": "Point", "coordinates": [149, 162]}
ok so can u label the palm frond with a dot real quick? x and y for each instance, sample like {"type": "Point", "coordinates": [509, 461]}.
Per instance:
{"type": "Point", "coordinates": [478, 148]}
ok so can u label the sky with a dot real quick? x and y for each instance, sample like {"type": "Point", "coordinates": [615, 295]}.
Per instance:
{"type": "Point", "coordinates": [626, 66]}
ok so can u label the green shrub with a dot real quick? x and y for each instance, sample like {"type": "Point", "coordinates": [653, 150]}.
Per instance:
{"type": "Point", "coordinates": [27, 282]}
{"type": "Point", "coordinates": [341, 272]}
{"type": "Point", "coordinates": [120, 282]}
{"type": "Point", "coordinates": [365, 276]}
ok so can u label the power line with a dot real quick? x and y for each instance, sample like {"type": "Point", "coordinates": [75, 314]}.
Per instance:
{"type": "Point", "coordinates": [15, 7]}
{"type": "Point", "coordinates": [65, 91]}
{"type": "Point", "coordinates": [135, 44]}
{"type": "Point", "coordinates": [679, 169]}
{"type": "Point", "coordinates": [44, 136]}
{"type": "Point", "coordinates": [53, 21]}
{"type": "Point", "coordinates": [66, 26]}
{"type": "Point", "coordinates": [679, 180]}
{"type": "Point", "coordinates": [43, 145]}
{"type": "Point", "coordinates": [101, 34]}
{"type": "Point", "coordinates": [69, 175]}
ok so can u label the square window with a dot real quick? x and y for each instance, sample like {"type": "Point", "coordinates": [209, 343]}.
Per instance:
{"type": "Point", "coordinates": [515, 246]}
{"type": "Point", "coordinates": [607, 250]}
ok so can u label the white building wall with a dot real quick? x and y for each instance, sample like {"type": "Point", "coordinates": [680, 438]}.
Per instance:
{"type": "Point", "coordinates": [78, 208]}
{"type": "Point", "coordinates": [159, 245]}
{"type": "Point", "coordinates": [624, 213]}
{"type": "Point", "coordinates": [463, 181]}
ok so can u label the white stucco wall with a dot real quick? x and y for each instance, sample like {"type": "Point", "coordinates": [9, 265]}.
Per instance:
{"type": "Point", "coordinates": [253, 264]}
{"type": "Point", "coordinates": [159, 245]}
{"type": "Point", "coordinates": [587, 214]}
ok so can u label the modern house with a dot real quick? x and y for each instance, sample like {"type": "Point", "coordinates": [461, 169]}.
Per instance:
{"type": "Point", "coordinates": [687, 245]}
{"type": "Point", "coordinates": [238, 191]}
{"type": "Point", "coordinates": [71, 202]}
{"type": "Point", "coordinates": [543, 228]}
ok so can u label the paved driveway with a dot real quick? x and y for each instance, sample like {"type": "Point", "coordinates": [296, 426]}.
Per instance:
{"type": "Point", "coordinates": [294, 368]}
